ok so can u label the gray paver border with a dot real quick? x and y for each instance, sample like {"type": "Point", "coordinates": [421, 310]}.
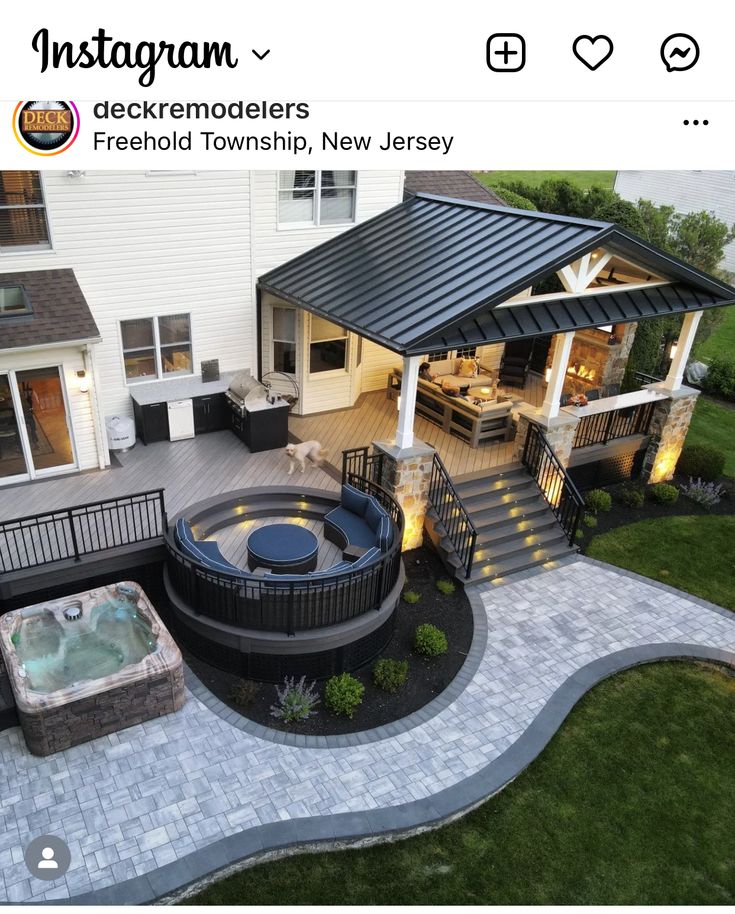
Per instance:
{"type": "Point", "coordinates": [363, 737]}
{"type": "Point", "coordinates": [243, 849]}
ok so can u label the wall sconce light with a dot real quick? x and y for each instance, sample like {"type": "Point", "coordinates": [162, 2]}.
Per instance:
{"type": "Point", "coordinates": [398, 402]}
{"type": "Point", "coordinates": [674, 347]}
{"type": "Point", "coordinates": [83, 381]}
{"type": "Point", "coordinates": [547, 375]}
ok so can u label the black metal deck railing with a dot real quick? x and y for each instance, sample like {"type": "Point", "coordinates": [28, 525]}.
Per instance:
{"type": "Point", "coordinates": [290, 603]}
{"type": "Point", "coordinates": [70, 533]}
{"type": "Point", "coordinates": [618, 423]}
{"type": "Point", "coordinates": [362, 464]}
{"type": "Point", "coordinates": [452, 514]}
{"type": "Point", "coordinates": [552, 479]}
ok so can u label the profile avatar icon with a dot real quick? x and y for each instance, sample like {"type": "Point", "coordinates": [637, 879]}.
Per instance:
{"type": "Point", "coordinates": [47, 862]}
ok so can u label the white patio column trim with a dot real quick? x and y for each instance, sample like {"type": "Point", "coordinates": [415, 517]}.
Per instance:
{"type": "Point", "coordinates": [562, 350]}
{"type": "Point", "coordinates": [407, 408]}
{"type": "Point", "coordinates": [683, 350]}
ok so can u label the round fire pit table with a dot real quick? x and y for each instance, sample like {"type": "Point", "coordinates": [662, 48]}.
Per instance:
{"type": "Point", "coordinates": [283, 548]}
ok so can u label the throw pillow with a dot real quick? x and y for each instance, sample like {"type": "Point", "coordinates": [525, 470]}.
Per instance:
{"type": "Point", "coordinates": [467, 368]}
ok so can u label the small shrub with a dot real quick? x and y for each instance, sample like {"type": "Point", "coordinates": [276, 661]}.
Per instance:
{"type": "Point", "coordinates": [589, 520]}
{"type": "Point", "coordinates": [244, 692]}
{"type": "Point", "coordinates": [295, 701]}
{"type": "Point", "coordinates": [663, 493]}
{"type": "Point", "coordinates": [390, 675]}
{"type": "Point", "coordinates": [598, 500]}
{"type": "Point", "coordinates": [707, 494]}
{"type": "Point", "coordinates": [631, 498]}
{"type": "Point", "coordinates": [430, 640]}
{"type": "Point", "coordinates": [720, 378]}
{"type": "Point", "coordinates": [410, 596]}
{"type": "Point", "coordinates": [579, 535]}
{"type": "Point", "coordinates": [700, 461]}
{"type": "Point", "coordinates": [445, 586]}
{"type": "Point", "coordinates": [343, 694]}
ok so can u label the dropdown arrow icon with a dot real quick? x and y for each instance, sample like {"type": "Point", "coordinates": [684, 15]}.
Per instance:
{"type": "Point", "coordinates": [261, 56]}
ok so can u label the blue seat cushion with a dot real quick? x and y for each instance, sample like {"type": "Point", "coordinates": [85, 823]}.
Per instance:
{"type": "Point", "coordinates": [354, 529]}
{"type": "Point", "coordinates": [334, 569]}
{"type": "Point", "coordinates": [366, 558]}
{"type": "Point", "coordinates": [379, 522]}
{"type": "Point", "coordinates": [354, 500]}
{"type": "Point", "coordinates": [385, 533]}
{"type": "Point", "coordinates": [204, 551]}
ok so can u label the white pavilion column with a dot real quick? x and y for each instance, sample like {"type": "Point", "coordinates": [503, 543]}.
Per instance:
{"type": "Point", "coordinates": [683, 350]}
{"type": "Point", "coordinates": [407, 408]}
{"type": "Point", "coordinates": [562, 350]}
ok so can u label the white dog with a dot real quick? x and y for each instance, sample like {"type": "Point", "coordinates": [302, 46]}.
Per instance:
{"type": "Point", "coordinates": [299, 453]}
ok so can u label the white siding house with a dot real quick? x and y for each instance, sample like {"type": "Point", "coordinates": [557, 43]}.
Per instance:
{"type": "Point", "coordinates": [154, 244]}
{"type": "Point", "coordinates": [687, 192]}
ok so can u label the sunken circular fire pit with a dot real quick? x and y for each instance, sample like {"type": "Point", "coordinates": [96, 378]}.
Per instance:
{"type": "Point", "coordinates": [265, 625]}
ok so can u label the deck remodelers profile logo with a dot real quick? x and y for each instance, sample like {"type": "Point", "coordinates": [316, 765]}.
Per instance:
{"type": "Point", "coordinates": [46, 128]}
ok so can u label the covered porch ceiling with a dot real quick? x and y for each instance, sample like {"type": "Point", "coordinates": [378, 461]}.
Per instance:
{"type": "Point", "coordinates": [435, 273]}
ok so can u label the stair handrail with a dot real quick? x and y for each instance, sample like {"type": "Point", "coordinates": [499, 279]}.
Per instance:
{"type": "Point", "coordinates": [555, 484]}
{"type": "Point", "coordinates": [452, 514]}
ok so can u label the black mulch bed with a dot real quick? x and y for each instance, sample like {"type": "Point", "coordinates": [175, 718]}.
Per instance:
{"type": "Point", "coordinates": [426, 678]}
{"type": "Point", "coordinates": [620, 515]}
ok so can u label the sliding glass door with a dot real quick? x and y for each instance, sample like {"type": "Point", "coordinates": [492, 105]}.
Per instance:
{"type": "Point", "coordinates": [13, 466]}
{"type": "Point", "coordinates": [35, 431]}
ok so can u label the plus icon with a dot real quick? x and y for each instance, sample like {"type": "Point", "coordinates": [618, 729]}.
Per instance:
{"type": "Point", "coordinates": [506, 52]}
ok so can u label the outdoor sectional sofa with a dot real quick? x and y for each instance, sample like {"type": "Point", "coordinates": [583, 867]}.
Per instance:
{"type": "Point", "coordinates": [359, 520]}
{"type": "Point", "coordinates": [456, 415]}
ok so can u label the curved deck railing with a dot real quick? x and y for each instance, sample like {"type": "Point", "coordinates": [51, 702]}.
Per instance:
{"type": "Point", "coordinates": [290, 604]}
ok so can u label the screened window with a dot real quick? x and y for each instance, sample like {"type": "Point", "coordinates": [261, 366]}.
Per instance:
{"type": "Point", "coordinates": [284, 340]}
{"type": "Point", "coordinates": [23, 223]}
{"type": "Point", "coordinates": [156, 347]}
{"type": "Point", "coordinates": [316, 197]}
{"type": "Point", "coordinates": [327, 346]}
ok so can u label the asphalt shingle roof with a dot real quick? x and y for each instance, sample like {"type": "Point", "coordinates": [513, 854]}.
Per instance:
{"type": "Point", "coordinates": [460, 185]}
{"type": "Point", "coordinates": [60, 312]}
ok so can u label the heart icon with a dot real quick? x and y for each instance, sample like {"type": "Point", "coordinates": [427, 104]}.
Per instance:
{"type": "Point", "coordinates": [593, 52]}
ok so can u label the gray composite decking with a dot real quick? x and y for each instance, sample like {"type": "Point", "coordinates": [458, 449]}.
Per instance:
{"type": "Point", "coordinates": [189, 471]}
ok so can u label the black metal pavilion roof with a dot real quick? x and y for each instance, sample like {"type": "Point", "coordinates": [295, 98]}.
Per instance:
{"type": "Point", "coordinates": [430, 273]}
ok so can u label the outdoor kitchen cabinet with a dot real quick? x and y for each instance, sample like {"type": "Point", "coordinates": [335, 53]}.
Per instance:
{"type": "Point", "coordinates": [211, 413]}
{"type": "Point", "coordinates": [151, 421]}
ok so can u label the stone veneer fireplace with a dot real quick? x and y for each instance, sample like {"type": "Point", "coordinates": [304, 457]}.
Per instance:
{"type": "Point", "coordinates": [594, 362]}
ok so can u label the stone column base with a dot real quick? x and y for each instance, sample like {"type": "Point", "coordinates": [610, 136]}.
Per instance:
{"type": "Point", "coordinates": [668, 430]}
{"type": "Point", "coordinates": [407, 475]}
{"type": "Point", "coordinates": [559, 432]}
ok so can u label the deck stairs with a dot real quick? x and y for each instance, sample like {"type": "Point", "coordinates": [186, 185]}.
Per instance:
{"type": "Point", "coordinates": [516, 528]}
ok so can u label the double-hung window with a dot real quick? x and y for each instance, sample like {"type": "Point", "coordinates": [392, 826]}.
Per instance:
{"type": "Point", "coordinates": [284, 340]}
{"type": "Point", "coordinates": [156, 347]}
{"type": "Point", "coordinates": [23, 222]}
{"type": "Point", "coordinates": [327, 346]}
{"type": "Point", "coordinates": [316, 197]}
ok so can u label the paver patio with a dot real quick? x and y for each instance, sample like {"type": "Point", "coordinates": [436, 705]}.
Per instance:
{"type": "Point", "coordinates": [135, 801]}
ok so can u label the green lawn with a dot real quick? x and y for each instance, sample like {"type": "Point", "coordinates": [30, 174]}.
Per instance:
{"type": "Point", "coordinates": [583, 179]}
{"type": "Point", "coordinates": [631, 803]}
{"type": "Point", "coordinates": [722, 341]}
{"type": "Point", "coordinates": [714, 424]}
{"type": "Point", "coordinates": [693, 553]}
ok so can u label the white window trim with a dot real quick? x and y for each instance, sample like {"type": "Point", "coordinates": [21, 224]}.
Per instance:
{"type": "Point", "coordinates": [316, 222]}
{"type": "Point", "coordinates": [160, 375]}
{"type": "Point", "coordinates": [294, 342]}
{"type": "Point", "coordinates": [6, 251]}
{"type": "Point", "coordinates": [334, 372]}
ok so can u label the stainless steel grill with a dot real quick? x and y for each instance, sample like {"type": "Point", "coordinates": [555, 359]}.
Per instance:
{"type": "Point", "coordinates": [244, 389]}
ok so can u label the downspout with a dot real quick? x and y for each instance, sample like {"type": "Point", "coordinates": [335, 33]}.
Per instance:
{"type": "Point", "coordinates": [258, 341]}
{"type": "Point", "coordinates": [100, 434]}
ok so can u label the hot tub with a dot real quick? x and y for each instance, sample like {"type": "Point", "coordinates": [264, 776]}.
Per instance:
{"type": "Point", "coordinates": [90, 664]}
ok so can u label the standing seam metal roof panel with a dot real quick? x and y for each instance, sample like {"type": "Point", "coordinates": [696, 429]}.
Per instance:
{"type": "Point", "coordinates": [433, 268]}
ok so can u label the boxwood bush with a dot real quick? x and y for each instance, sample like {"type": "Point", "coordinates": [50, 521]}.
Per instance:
{"type": "Point", "coordinates": [631, 497]}
{"type": "Point", "coordinates": [390, 675]}
{"type": "Point", "coordinates": [663, 494]}
{"type": "Point", "coordinates": [430, 640]}
{"type": "Point", "coordinates": [720, 379]}
{"type": "Point", "coordinates": [700, 461]}
{"type": "Point", "coordinates": [343, 694]}
{"type": "Point", "coordinates": [598, 500]}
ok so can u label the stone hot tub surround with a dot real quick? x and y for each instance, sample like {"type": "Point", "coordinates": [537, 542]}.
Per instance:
{"type": "Point", "coordinates": [148, 682]}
